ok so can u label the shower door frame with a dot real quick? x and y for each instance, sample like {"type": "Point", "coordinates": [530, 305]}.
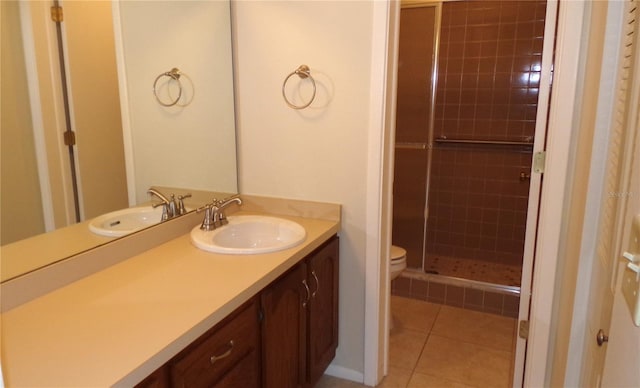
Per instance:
{"type": "Point", "coordinates": [437, 5]}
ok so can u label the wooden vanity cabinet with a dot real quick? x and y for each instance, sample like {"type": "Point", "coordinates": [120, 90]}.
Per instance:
{"type": "Point", "coordinates": [300, 323]}
{"type": "Point", "coordinates": [158, 379]}
{"type": "Point", "coordinates": [284, 337]}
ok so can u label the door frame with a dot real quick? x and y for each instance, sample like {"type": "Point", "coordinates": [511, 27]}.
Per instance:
{"type": "Point", "coordinates": [561, 126]}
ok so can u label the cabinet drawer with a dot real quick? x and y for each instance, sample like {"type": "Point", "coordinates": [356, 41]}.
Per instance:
{"type": "Point", "coordinates": [234, 341]}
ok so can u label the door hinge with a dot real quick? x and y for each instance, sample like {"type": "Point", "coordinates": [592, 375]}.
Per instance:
{"type": "Point", "coordinates": [260, 315]}
{"type": "Point", "coordinates": [56, 13]}
{"type": "Point", "coordinates": [69, 138]}
{"type": "Point", "coordinates": [539, 161]}
{"type": "Point", "coordinates": [523, 329]}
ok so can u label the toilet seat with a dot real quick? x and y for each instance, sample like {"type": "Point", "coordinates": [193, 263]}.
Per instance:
{"type": "Point", "coordinates": [398, 261]}
{"type": "Point", "coordinates": [397, 254]}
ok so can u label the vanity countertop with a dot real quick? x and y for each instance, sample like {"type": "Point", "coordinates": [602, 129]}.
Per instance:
{"type": "Point", "coordinates": [118, 325]}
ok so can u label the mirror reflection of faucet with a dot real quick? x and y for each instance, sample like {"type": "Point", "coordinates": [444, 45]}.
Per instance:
{"type": "Point", "coordinates": [214, 216]}
{"type": "Point", "coordinates": [170, 206]}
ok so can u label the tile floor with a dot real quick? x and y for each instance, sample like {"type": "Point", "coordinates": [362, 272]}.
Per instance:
{"type": "Point", "coordinates": [484, 271]}
{"type": "Point", "coordinates": [434, 345]}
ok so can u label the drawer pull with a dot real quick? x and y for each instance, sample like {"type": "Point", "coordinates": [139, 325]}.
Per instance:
{"type": "Point", "coordinates": [223, 355]}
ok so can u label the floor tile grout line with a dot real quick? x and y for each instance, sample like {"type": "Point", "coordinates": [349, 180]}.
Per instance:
{"type": "Point", "coordinates": [472, 343]}
{"type": "Point", "coordinates": [424, 344]}
{"type": "Point", "coordinates": [438, 315]}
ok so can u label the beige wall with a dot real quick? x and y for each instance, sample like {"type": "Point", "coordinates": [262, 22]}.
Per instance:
{"type": "Point", "coordinates": [319, 153]}
{"type": "Point", "coordinates": [21, 211]}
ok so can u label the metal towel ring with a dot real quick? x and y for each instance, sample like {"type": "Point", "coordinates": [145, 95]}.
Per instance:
{"type": "Point", "coordinates": [175, 75]}
{"type": "Point", "coordinates": [302, 72]}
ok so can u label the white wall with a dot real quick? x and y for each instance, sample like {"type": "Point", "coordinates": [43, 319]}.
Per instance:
{"type": "Point", "coordinates": [320, 153]}
{"type": "Point", "coordinates": [194, 37]}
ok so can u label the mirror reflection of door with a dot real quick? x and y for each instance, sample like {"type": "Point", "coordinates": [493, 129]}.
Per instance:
{"type": "Point", "coordinates": [88, 42]}
{"type": "Point", "coordinates": [37, 178]}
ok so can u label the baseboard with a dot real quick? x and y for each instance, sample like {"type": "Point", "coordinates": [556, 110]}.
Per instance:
{"type": "Point", "coordinates": [345, 373]}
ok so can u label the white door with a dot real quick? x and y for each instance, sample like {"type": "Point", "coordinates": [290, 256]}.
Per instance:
{"type": "Point", "coordinates": [621, 366]}
{"type": "Point", "coordinates": [535, 186]}
{"type": "Point", "coordinates": [615, 199]}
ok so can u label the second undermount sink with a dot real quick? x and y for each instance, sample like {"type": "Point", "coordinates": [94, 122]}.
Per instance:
{"type": "Point", "coordinates": [250, 234]}
{"type": "Point", "coordinates": [122, 222]}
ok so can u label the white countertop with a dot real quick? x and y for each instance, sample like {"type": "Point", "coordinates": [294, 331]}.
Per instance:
{"type": "Point", "coordinates": [118, 325]}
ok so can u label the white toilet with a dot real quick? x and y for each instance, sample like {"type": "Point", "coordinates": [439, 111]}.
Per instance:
{"type": "Point", "coordinates": [398, 257]}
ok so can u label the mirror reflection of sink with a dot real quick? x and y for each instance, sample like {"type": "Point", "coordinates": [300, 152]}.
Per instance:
{"type": "Point", "coordinates": [122, 222]}
{"type": "Point", "coordinates": [249, 234]}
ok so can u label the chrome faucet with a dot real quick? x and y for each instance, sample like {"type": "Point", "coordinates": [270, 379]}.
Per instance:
{"type": "Point", "coordinates": [222, 218]}
{"type": "Point", "coordinates": [214, 216]}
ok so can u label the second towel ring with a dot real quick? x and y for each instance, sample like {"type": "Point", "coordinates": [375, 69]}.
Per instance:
{"type": "Point", "coordinates": [303, 72]}
{"type": "Point", "coordinates": [175, 75]}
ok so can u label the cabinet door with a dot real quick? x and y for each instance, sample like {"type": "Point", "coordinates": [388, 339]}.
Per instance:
{"type": "Point", "coordinates": [323, 310]}
{"type": "Point", "coordinates": [284, 330]}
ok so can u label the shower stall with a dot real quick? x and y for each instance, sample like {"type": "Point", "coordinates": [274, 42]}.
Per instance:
{"type": "Point", "coordinates": [468, 83]}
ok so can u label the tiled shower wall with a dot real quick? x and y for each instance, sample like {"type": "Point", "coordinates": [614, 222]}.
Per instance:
{"type": "Point", "coordinates": [487, 89]}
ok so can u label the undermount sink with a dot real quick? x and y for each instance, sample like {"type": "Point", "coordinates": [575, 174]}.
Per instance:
{"type": "Point", "coordinates": [250, 234]}
{"type": "Point", "coordinates": [122, 222]}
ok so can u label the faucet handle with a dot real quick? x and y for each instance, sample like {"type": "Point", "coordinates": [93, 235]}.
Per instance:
{"type": "Point", "coordinates": [207, 222]}
{"type": "Point", "coordinates": [173, 211]}
{"type": "Point", "coordinates": [181, 209]}
{"type": "Point", "coordinates": [165, 209]}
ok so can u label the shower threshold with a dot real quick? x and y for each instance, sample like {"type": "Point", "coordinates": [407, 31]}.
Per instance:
{"type": "Point", "coordinates": [418, 274]}
{"type": "Point", "coordinates": [478, 270]}
{"type": "Point", "coordinates": [464, 293]}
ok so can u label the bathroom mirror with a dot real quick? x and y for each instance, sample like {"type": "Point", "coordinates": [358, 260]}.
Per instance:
{"type": "Point", "coordinates": [190, 145]}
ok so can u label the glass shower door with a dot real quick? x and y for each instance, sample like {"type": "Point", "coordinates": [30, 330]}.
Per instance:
{"type": "Point", "coordinates": [414, 123]}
